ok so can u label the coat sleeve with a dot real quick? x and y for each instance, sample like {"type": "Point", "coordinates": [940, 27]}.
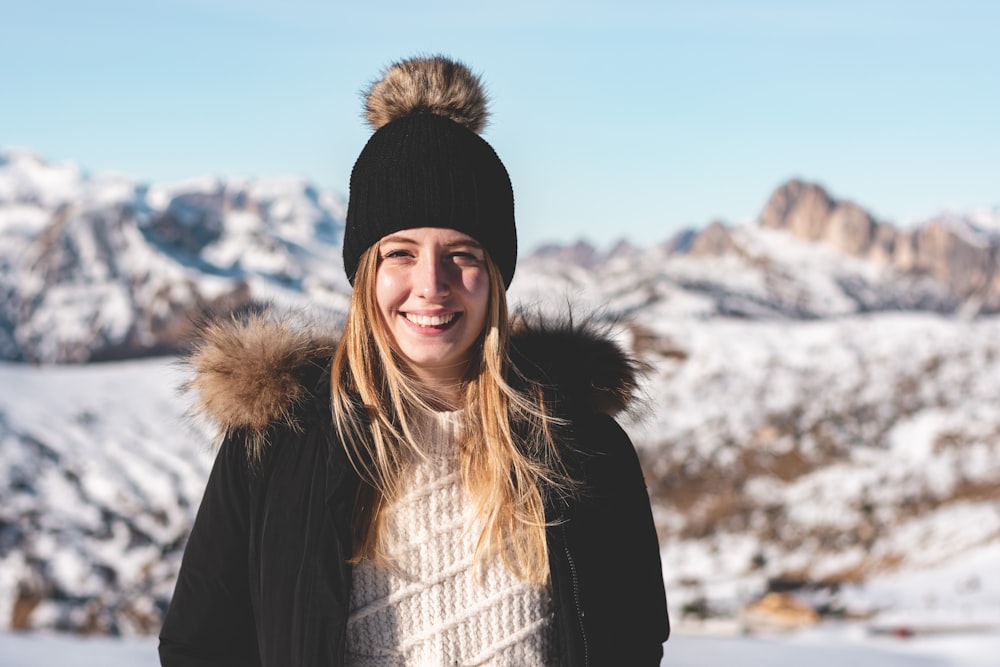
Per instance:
{"type": "Point", "coordinates": [210, 622]}
{"type": "Point", "coordinates": [616, 548]}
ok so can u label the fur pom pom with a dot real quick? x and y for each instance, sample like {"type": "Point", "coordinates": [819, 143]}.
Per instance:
{"type": "Point", "coordinates": [436, 85]}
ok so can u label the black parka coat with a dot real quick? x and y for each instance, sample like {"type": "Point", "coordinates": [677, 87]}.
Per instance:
{"type": "Point", "coordinates": [265, 579]}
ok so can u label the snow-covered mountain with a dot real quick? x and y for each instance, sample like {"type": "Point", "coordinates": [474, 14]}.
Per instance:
{"type": "Point", "coordinates": [101, 267]}
{"type": "Point", "coordinates": [807, 256]}
{"type": "Point", "coordinates": [817, 408]}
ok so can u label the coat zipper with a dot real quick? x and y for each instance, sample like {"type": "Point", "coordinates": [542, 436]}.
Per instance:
{"type": "Point", "coordinates": [576, 596]}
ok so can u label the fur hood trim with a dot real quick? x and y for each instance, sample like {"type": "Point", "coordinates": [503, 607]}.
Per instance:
{"type": "Point", "coordinates": [251, 371]}
{"type": "Point", "coordinates": [247, 370]}
{"type": "Point", "coordinates": [580, 360]}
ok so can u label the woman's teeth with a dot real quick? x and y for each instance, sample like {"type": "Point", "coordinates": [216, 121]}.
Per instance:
{"type": "Point", "coordinates": [430, 320]}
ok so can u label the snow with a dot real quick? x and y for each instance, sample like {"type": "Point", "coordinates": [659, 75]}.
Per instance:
{"type": "Point", "coordinates": [977, 228]}
{"type": "Point", "coordinates": [986, 219]}
{"type": "Point", "coordinates": [99, 482]}
{"type": "Point", "coordinates": [27, 650]}
{"type": "Point", "coordinates": [828, 648]}
{"type": "Point", "coordinates": [26, 176]}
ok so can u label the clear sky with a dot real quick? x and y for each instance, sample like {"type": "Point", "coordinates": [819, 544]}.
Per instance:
{"type": "Point", "coordinates": [621, 118]}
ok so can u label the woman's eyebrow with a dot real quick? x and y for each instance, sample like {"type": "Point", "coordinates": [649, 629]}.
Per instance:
{"type": "Point", "coordinates": [396, 238]}
{"type": "Point", "coordinates": [464, 243]}
{"type": "Point", "coordinates": [460, 243]}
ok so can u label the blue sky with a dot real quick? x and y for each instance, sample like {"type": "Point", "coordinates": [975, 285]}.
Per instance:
{"type": "Point", "coordinates": [614, 119]}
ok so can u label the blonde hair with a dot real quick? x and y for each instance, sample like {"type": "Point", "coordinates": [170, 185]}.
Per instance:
{"type": "Point", "coordinates": [508, 450]}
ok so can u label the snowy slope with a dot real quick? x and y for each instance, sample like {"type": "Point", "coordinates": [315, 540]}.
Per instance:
{"type": "Point", "coordinates": [829, 648]}
{"type": "Point", "coordinates": [836, 450]}
{"type": "Point", "coordinates": [817, 450]}
{"type": "Point", "coordinates": [101, 476]}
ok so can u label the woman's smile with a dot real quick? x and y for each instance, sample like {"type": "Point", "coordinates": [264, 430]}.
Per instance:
{"type": "Point", "coordinates": [433, 322]}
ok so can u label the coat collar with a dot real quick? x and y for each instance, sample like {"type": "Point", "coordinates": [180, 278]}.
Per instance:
{"type": "Point", "coordinates": [258, 368]}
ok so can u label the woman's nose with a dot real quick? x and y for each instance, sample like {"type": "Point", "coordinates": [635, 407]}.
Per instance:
{"type": "Point", "coordinates": [432, 278]}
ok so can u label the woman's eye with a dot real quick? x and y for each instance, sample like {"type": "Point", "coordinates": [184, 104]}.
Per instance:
{"type": "Point", "coordinates": [393, 254]}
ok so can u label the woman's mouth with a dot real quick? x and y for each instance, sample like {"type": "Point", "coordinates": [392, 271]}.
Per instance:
{"type": "Point", "coordinates": [431, 321]}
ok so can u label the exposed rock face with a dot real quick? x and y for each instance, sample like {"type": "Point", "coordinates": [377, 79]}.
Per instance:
{"type": "Point", "coordinates": [580, 253]}
{"type": "Point", "coordinates": [952, 250]}
{"type": "Point", "coordinates": [850, 229]}
{"type": "Point", "coordinates": [713, 241]}
{"type": "Point", "coordinates": [956, 255]}
{"type": "Point", "coordinates": [800, 208]}
{"type": "Point", "coordinates": [808, 212]}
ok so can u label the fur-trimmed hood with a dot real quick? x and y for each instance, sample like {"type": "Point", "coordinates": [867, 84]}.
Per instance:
{"type": "Point", "coordinates": [256, 369]}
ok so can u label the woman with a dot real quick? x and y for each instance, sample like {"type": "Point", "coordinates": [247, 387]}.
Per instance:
{"type": "Point", "coordinates": [438, 486]}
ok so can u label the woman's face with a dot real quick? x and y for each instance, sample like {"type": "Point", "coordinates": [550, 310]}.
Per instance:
{"type": "Point", "coordinates": [432, 290]}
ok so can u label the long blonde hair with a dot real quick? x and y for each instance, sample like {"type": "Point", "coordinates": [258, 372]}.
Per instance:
{"type": "Point", "coordinates": [508, 451]}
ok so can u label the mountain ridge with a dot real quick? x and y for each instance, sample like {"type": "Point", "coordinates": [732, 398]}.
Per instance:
{"type": "Point", "coordinates": [101, 267]}
{"type": "Point", "coordinates": [98, 268]}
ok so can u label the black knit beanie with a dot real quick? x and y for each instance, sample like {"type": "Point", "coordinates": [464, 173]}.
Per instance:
{"type": "Point", "coordinates": [426, 165]}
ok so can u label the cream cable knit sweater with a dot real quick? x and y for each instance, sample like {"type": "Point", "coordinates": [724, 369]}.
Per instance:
{"type": "Point", "coordinates": [434, 607]}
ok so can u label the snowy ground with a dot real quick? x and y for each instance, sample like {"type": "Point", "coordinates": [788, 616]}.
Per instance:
{"type": "Point", "coordinates": [828, 647]}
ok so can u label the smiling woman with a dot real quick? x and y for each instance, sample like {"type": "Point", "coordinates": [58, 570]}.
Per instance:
{"type": "Point", "coordinates": [440, 483]}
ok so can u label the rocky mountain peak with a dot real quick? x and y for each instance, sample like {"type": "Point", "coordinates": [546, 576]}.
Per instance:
{"type": "Point", "coordinates": [712, 241]}
{"type": "Point", "coordinates": [959, 252]}
{"type": "Point", "coordinates": [807, 211]}
{"type": "Point", "coordinates": [798, 206]}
